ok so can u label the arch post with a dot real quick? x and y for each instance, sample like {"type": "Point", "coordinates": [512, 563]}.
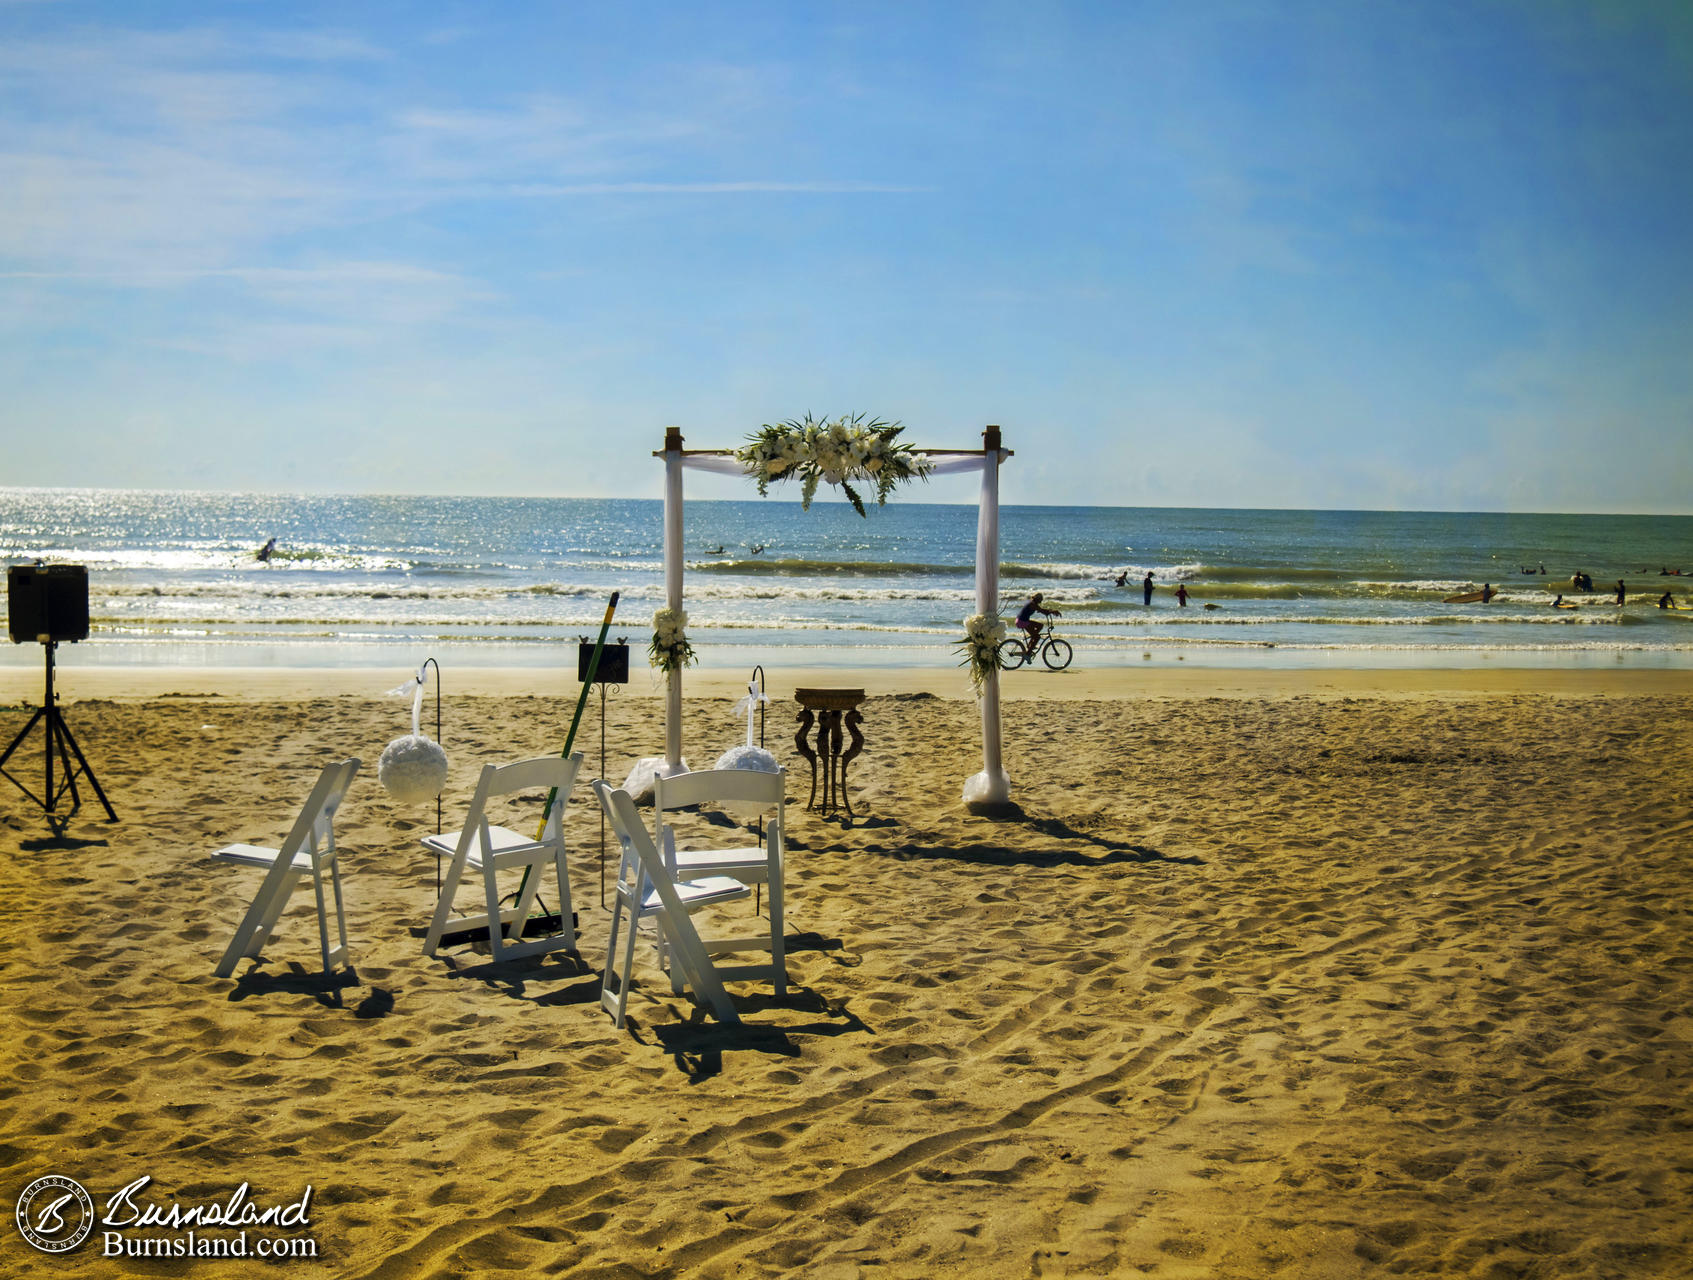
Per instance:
{"type": "Point", "coordinates": [673, 591]}
{"type": "Point", "coordinates": [991, 788]}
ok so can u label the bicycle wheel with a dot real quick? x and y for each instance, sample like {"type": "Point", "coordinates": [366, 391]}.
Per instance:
{"type": "Point", "coordinates": [1057, 654]}
{"type": "Point", "coordinates": [1011, 654]}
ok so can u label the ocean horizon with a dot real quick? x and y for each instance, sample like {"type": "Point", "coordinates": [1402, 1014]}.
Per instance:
{"type": "Point", "coordinates": [175, 579]}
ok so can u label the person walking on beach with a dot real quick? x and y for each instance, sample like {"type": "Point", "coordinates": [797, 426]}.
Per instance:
{"type": "Point", "coordinates": [1026, 619]}
{"type": "Point", "coordinates": [1181, 594]}
{"type": "Point", "coordinates": [1146, 588]}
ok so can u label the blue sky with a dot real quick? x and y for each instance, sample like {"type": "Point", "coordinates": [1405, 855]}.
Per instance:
{"type": "Point", "coordinates": [1431, 255]}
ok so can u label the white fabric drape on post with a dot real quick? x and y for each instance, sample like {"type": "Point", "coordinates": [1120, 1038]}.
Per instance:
{"type": "Point", "coordinates": [673, 598]}
{"type": "Point", "coordinates": [992, 785]}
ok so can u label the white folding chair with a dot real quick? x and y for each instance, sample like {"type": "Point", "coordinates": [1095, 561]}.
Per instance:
{"type": "Point", "coordinates": [490, 849]}
{"type": "Point", "coordinates": [646, 889]}
{"type": "Point", "coordinates": [310, 847]}
{"type": "Point", "coordinates": [750, 864]}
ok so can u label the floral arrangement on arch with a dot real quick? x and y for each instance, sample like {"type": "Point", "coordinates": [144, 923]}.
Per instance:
{"type": "Point", "coordinates": [844, 452]}
{"type": "Point", "coordinates": [670, 650]}
{"type": "Point", "coordinates": [983, 634]}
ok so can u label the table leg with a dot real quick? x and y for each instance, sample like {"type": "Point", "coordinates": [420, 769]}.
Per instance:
{"type": "Point", "coordinates": [829, 747]}
{"type": "Point", "coordinates": [804, 748]}
{"type": "Point", "coordinates": [853, 720]}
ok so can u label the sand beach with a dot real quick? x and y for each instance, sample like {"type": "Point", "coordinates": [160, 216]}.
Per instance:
{"type": "Point", "coordinates": [1310, 973]}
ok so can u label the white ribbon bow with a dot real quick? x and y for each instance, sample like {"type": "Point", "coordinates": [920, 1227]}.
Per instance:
{"type": "Point", "coordinates": [749, 704]}
{"type": "Point", "coordinates": [414, 686]}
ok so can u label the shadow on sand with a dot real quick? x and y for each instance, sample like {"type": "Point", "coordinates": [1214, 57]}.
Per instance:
{"type": "Point", "coordinates": [325, 988]}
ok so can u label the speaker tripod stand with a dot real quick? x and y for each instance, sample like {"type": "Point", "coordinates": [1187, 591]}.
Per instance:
{"type": "Point", "coordinates": [61, 742]}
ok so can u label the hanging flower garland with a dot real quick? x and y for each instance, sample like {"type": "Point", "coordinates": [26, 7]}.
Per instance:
{"type": "Point", "coordinates": [846, 451]}
{"type": "Point", "coordinates": [983, 633]}
{"type": "Point", "coordinates": [670, 650]}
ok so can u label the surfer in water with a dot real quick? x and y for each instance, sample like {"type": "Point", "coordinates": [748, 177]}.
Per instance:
{"type": "Point", "coordinates": [1122, 578]}
{"type": "Point", "coordinates": [1487, 592]}
{"type": "Point", "coordinates": [1622, 592]}
{"type": "Point", "coordinates": [1666, 601]}
{"type": "Point", "coordinates": [265, 552]}
{"type": "Point", "coordinates": [1146, 588]}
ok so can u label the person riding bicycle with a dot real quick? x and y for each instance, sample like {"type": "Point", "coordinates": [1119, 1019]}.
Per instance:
{"type": "Point", "coordinates": [1026, 619]}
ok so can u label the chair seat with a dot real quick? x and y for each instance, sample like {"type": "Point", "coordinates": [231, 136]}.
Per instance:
{"type": "Point", "coordinates": [252, 855]}
{"type": "Point", "coordinates": [503, 839]}
{"type": "Point", "coordinates": [699, 893]}
{"type": "Point", "coordinates": [753, 861]}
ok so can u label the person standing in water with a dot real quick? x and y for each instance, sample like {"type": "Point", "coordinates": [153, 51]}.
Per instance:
{"type": "Point", "coordinates": [1181, 594]}
{"type": "Point", "coordinates": [1146, 588]}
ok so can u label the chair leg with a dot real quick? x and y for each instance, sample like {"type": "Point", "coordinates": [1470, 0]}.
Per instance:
{"type": "Point", "coordinates": [617, 1003]}
{"type": "Point", "coordinates": [689, 956]}
{"type": "Point", "coordinates": [496, 931]}
{"type": "Point", "coordinates": [340, 907]}
{"type": "Point", "coordinates": [609, 973]}
{"type": "Point", "coordinates": [260, 918]}
{"type": "Point", "coordinates": [778, 940]}
{"type": "Point", "coordinates": [322, 923]}
{"type": "Point", "coordinates": [443, 910]}
{"type": "Point", "coordinates": [525, 905]}
{"type": "Point", "coordinates": [566, 912]}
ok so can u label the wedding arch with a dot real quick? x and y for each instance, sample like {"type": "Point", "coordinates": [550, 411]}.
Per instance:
{"type": "Point", "coordinates": [992, 786]}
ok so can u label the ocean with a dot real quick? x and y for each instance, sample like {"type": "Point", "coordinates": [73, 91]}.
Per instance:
{"type": "Point", "coordinates": [174, 579]}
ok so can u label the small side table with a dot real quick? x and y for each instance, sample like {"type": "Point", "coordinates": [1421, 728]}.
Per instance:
{"type": "Point", "coordinates": [830, 710]}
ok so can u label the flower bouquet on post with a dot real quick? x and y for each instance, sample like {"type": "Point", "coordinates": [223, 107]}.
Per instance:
{"type": "Point", "coordinates": [670, 649]}
{"type": "Point", "coordinates": [846, 452]}
{"type": "Point", "coordinates": [983, 633]}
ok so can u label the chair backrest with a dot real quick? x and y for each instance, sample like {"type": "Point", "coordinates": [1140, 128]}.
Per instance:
{"type": "Point", "coordinates": [626, 820]}
{"type": "Point", "coordinates": [718, 786]}
{"type": "Point", "coordinates": [314, 829]}
{"type": "Point", "coordinates": [629, 870]}
{"type": "Point", "coordinates": [708, 786]}
{"type": "Point", "coordinates": [557, 773]}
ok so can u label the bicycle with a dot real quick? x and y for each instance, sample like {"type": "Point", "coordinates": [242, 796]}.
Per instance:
{"type": "Point", "coordinates": [1014, 651]}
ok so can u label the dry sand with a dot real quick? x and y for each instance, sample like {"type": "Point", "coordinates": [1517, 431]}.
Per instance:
{"type": "Point", "coordinates": [1340, 974]}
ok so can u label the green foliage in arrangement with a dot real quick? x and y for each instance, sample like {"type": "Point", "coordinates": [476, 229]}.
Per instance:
{"type": "Point", "coordinates": [848, 451]}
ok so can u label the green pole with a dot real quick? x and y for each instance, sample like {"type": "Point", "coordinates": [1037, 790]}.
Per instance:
{"type": "Point", "coordinates": [581, 702]}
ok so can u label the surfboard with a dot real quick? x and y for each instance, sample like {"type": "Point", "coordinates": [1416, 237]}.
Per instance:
{"type": "Point", "coordinates": [1566, 606]}
{"type": "Point", "coordinates": [1469, 597]}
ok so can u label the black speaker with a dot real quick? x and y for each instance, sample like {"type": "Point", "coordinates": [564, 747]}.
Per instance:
{"type": "Point", "coordinates": [47, 602]}
{"type": "Point", "coordinates": [614, 663]}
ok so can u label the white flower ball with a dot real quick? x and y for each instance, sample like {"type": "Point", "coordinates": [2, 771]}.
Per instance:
{"type": "Point", "coordinates": [755, 758]}
{"type": "Point", "coordinates": [412, 768]}
{"type": "Point", "coordinates": [639, 783]}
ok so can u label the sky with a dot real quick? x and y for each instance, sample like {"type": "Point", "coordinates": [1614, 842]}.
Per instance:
{"type": "Point", "coordinates": [1241, 253]}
